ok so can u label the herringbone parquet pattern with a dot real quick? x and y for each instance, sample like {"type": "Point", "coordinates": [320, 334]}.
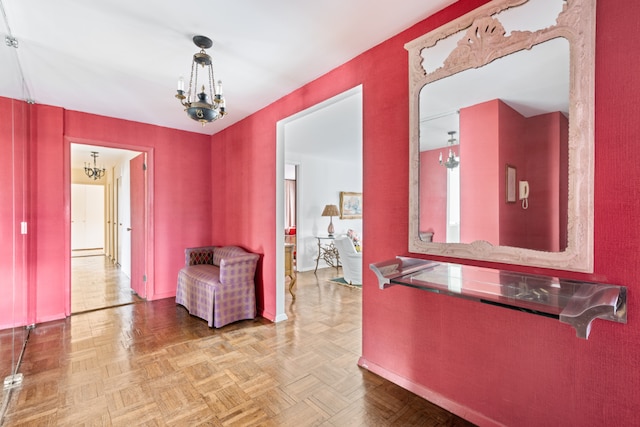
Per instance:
{"type": "Point", "coordinates": [153, 364]}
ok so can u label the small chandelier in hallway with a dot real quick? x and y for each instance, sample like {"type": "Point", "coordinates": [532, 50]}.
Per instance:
{"type": "Point", "coordinates": [197, 105]}
{"type": "Point", "coordinates": [451, 161]}
{"type": "Point", "coordinates": [94, 172]}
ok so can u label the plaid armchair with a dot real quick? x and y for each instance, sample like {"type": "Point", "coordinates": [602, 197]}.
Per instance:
{"type": "Point", "coordinates": [218, 284]}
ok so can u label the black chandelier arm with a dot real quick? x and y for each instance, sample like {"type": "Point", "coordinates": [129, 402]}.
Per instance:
{"type": "Point", "coordinates": [95, 172]}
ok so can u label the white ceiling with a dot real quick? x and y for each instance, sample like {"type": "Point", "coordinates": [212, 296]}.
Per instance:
{"type": "Point", "coordinates": [331, 129]}
{"type": "Point", "coordinates": [122, 58]}
{"type": "Point", "coordinates": [107, 157]}
{"type": "Point", "coordinates": [532, 82]}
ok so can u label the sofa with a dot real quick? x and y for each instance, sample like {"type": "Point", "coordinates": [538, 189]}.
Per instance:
{"type": "Point", "coordinates": [217, 284]}
{"type": "Point", "coordinates": [350, 259]}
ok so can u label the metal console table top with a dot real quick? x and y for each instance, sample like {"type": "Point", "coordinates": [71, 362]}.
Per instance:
{"type": "Point", "coordinates": [574, 302]}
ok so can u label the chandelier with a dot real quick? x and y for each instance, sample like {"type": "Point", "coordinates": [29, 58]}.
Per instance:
{"type": "Point", "coordinates": [94, 172]}
{"type": "Point", "coordinates": [207, 105]}
{"type": "Point", "coordinates": [451, 161]}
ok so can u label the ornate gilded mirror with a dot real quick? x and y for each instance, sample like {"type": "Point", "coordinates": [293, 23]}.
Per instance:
{"type": "Point", "coordinates": [501, 148]}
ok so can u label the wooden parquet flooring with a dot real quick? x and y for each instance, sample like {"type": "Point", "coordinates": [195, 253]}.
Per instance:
{"type": "Point", "coordinates": [97, 283]}
{"type": "Point", "coordinates": [151, 363]}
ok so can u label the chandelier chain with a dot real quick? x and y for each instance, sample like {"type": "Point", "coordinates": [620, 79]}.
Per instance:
{"type": "Point", "coordinates": [193, 65]}
{"type": "Point", "coordinates": [211, 86]}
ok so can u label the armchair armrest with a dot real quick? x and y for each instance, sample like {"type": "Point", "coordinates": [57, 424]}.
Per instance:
{"type": "Point", "coordinates": [198, 255]}
{"type": "Point", "coordinates": [238, 269]}
{"type": "Point", "coordinates": [355, 255]}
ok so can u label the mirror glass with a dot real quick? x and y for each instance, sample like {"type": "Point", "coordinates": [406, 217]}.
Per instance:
{"type": "Point", "coordinates": [512, 111]}
{"type": "Point", "coordinates": [501, 156]}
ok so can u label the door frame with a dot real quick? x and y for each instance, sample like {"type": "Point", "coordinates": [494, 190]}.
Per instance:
{"type": "Point", "coordinates": [149, 201]}
{"type": "Point", "coordinates": [281, 159]}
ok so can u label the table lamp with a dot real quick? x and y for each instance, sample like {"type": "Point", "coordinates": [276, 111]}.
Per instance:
{"type": "Point", "coordinates": [330, 211]}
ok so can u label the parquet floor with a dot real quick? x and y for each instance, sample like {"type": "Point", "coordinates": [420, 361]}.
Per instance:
{"type": "Point", "coordinates": [97, 283]}
{"type": "Point", "coordinates": [151, 363]}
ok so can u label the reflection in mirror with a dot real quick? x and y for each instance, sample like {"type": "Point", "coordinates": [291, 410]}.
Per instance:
{"type": "Point", "coordinates": [504, 96]}
{"type": "Point", "coordinates": [511, 111]}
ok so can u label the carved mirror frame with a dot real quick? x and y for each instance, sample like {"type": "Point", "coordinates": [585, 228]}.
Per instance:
{"type": "Point", "coordinates": [576, 23]}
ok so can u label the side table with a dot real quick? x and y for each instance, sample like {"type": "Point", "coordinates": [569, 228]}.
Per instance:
{"type": "Point", "coordinates": [328, 252]}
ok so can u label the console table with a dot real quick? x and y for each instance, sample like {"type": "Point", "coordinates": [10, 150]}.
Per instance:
{"type": "Point", "coordinates": [328, 252]}
{"type": "Point", "coordinates": [576, 303]}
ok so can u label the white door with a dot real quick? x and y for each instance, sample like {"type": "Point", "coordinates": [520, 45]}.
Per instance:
{"type": "Point", "coordinates": [119, 225]}
{"type": "Point", "coordinates": [87, 216]}
{"type": "Point", "coordinates": [77, 216]}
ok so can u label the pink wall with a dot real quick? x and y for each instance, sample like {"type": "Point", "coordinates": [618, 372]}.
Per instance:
{"type": "Point", "coordinates": [181, 203]}
{"type": "Point", "coordinates": [14, 208]}
{"type": "Point", "coordinates": [546, 140]}
{"type": "Point", "coordinates": [481, 173]}
{"type": "Point", "coordinates": [495, 135]}
{"type": "Point", "coordinates": [534, 147]}
{"type": "Point", "coordinates": [243, 203]}
{"type": "Point", "coordinates": [50, 223]}
{"type": "Point", "coordinates": [243, 163]}
{"type": "Point", "coordinates": [433, 194]}
{"type": "Point", "coordinates": [514, 228]}
{"type": "Point", "coordinates": [486, 363]}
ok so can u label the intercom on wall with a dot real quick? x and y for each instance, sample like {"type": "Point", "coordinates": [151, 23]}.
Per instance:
{"type": "Point", "coordinates": [523, 194]}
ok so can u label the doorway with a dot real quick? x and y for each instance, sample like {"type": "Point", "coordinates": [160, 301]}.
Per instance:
{"type": "Point", "coordinates": [100, 261]}
{"type": "Point", "coordinates": [325, 143]}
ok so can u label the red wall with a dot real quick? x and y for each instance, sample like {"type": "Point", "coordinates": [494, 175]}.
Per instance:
{"type": "Point", "coordinates": [433, 194]}
{"type": "Point", "coordinates": [534, 147]}
{"type": "Point", "coordinates": [481, 173]}
{"type": "Point", "coordinates": [243, 201]}
{"type": "Point", "coordinates": [496, 135]}
{"type": "Point", "coordinates": [14, 208]}
{"type": "Point", "coordinates": [181, 203]}
{"type": "Point", "coordinates": [545, 142]}
{"type": "Point", "coordinates": [486, 363]}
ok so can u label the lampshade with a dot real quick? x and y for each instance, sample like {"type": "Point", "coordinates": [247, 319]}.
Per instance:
{"type": "Point", "coordinates": [330, 210]}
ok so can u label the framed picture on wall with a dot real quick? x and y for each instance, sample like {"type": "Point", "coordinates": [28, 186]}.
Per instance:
{"type": "Point", "coordinates": [350, 205]}
{"type": "Point", "coordinates": [511, 184]}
